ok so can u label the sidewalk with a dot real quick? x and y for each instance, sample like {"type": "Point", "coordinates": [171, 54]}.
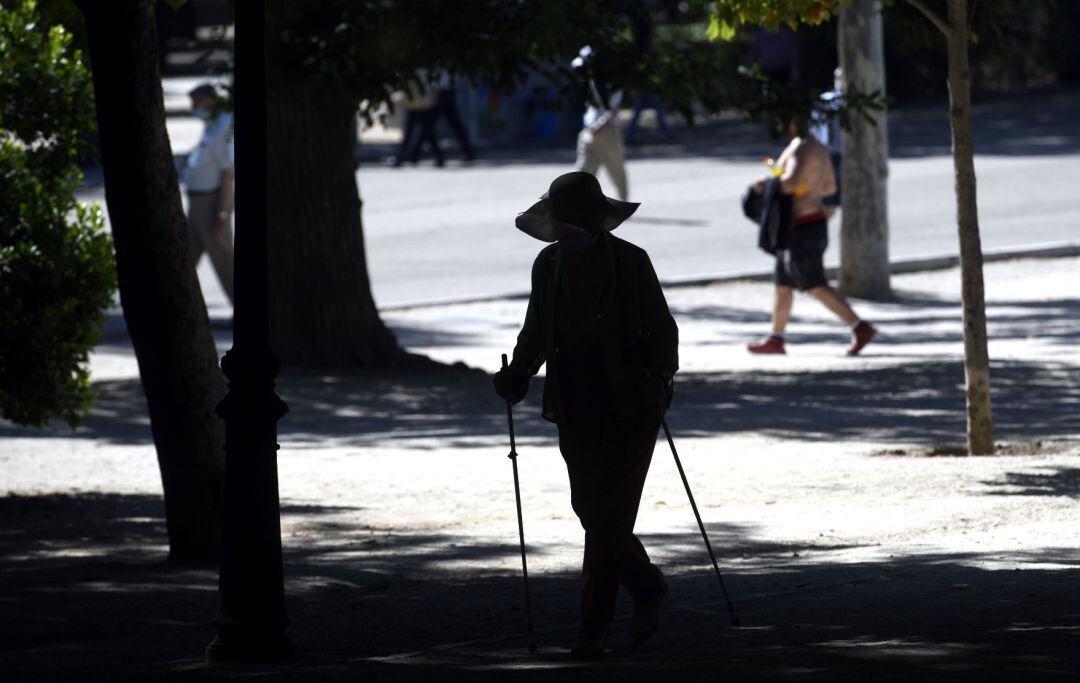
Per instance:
{"type": "Point", "coordinates": [853, 546]}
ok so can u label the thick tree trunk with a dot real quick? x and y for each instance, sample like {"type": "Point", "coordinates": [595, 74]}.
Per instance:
{"type": "Point", "coordinates": [163, 305]}
{"type": "Point", "coordinates": [322, 311]}
{"type": "Point", "coordinates": [976, 357]}
{"type": "Point", "coordinates": [864, 232]}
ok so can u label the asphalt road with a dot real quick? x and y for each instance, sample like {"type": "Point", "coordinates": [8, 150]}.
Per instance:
{"type": "Point", "coordinates": [445, 233]}
{"type": "Point", "coordinates": [435, 234]}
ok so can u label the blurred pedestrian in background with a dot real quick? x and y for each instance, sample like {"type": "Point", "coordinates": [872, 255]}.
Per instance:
{"type": "Point", "coordinates": [446, 108]}
{"type": "Point", "coordinates": [419, 128]}
{"type": "Point", "coordinates": [648, 100]}
{"type": "Point", "coordinates": [825, 126]}
{"type": "Point", "coordinates": [208, 179]}
{"type": "Point", "coordinates": [804, 176]}
{"type": "Point", "coordinates": [600, 142]}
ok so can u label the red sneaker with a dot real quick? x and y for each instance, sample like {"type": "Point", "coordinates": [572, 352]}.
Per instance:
{"type": "Point", "coordinates": [770, 344]}
{"type": "Point", "coordinates": [860, 337]}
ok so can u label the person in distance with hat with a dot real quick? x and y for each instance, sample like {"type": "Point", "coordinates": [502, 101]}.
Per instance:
{"type": "Point", "coordinates": [597, 316]}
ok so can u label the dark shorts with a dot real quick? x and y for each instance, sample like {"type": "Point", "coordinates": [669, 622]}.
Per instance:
{"type": "Point", "coordinates": [801, 265]}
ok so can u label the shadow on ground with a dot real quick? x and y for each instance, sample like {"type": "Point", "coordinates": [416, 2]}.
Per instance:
{"type": "Point", "coordinates": [913, 401]}
{"type": "Point", "coordinates": [86, 596]}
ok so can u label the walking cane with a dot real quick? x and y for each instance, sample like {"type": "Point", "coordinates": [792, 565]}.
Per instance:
{"type": "Point", "coordinates": [708, 546]}
{"type": "Point", "coordinates": [521, 527]}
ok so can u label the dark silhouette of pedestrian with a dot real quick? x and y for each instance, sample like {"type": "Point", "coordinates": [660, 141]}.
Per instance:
{"type": "Point", "coordinates": [419, 128]}
{"type": "Point", "coordinates": [446, 109]}
{"type": "Point", "coordinates": [597, 316]}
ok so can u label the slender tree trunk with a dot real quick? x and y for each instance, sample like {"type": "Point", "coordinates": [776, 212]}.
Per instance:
{"type": "Point", "coordinates": [163, 305]}
{"type": "Point", "coordinates": [322, 311]}
{"type": "Point", "coordinates": [864, 233]}
{"type": "Point", "coordinates": [976, 357]}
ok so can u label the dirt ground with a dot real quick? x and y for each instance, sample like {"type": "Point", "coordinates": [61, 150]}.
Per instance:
{"type": "Point", "coordinates": [855, 541]}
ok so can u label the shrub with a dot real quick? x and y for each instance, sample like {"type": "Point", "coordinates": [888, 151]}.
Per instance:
{"type": "Point", "coordinates": [57, 274]}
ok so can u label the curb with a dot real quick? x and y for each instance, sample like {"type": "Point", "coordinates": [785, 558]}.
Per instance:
{"type": "Point", "coordinates": [915, 264]}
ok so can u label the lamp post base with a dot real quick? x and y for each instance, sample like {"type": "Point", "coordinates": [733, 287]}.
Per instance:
{"type": "Point", "coordinates": [235, 643]}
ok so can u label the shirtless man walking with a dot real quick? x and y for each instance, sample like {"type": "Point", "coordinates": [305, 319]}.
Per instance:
{"type": "Point", "coordinates": [806, 174]}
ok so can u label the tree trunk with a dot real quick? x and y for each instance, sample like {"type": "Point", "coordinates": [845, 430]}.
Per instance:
{"type": "Point", "coordinates": [163, 305]}
{"type": "Point", "coordinates": [976, 358]}
{"type": "Point", "coordinates": [322, 311]}
{"type": "Point", "coordinates": [864, 232]}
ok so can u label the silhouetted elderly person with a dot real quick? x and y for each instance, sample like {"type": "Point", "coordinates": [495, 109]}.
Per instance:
{"type": "Point", "coordinates": [597, 316]}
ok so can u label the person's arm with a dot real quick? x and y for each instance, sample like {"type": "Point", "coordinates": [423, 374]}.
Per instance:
{"type": "Point", "coordinates": [225, 201]}
{"type": "Point", "coordinates": [658, 324]}
{"type": "Point", "coordinates": [529, 350]}
{"type": "Point", "coordinates": [611, 107]}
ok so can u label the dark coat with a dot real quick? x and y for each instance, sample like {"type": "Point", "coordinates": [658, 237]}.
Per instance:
{"type": "Point", "coordinates": [638, 336]}
{"type": "Point", "coordinates": [771, 211]}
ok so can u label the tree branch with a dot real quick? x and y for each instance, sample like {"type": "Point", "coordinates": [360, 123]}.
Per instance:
{"type": "Point", "coordinates": [932, 16]}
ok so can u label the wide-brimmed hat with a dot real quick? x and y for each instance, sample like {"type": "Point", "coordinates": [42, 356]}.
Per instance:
{"type": "Point", "coordinates": [573, 203]}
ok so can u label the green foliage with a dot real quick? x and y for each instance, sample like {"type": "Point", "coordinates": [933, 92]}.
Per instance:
{"type": "Point", "coordinates": [364, 51]}
{"type": "Point", "coordinates": [728, 15]}
{"type": "Point", "coordinates": [367, 50]}
{"type": "Point", "coordinates": [57, 274]}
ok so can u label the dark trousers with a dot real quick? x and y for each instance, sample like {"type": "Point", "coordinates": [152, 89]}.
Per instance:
{"type": "Point", "coordinates": [419, 128]}
{"type": "Point", "coordinates": [607, 462]}
{"type": "Point", "coordinates": [446, 108]}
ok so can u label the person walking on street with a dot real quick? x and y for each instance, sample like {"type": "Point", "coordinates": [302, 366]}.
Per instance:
{"type": "Point", "coordinates": [597, 316]}
{"type": "Point", "coordinates": [600, 142]}
{"type": "Point", "coordinates": [419, 127]}
{"type": "Point", "coordinates": [825, 126]}
{"type": "Point", "coordinates": [208, 178]}
{"type": "Point", "coordinates": [446, 109]}
{"type": "Point", "coordinates": [806, 176]}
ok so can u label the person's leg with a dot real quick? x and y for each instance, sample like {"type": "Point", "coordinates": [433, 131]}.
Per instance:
{"type": "Point", "coordinates": [835, 303]}
{"type": "Point", "coordinates": [220, 249]}
{"type": "Point", "coordinates": [200, 216]}
{"type": "Point", "coordinates": [447, 107]}
{"type": "Point", "coordinates": [661, 119]}
{"type": "Point", "coordinates": [587, 159]}
{"type": "Point", "coordinates": [631, 128]}
{"type": "Point", "coordinates": [408, 139]}
{"type": "Point", "coordinates": [783, 298]}
{"type": "Point", "coordinates": [609, 147]}
{"type": "Point", "coordinates": [580, 446]}
{"type": "Point", "coordinates": [607, 468]}
{"type": "Point", "coordinates": [425, 121]}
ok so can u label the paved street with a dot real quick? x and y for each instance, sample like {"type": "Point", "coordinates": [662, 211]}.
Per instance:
{"type": "Point", "coordinates": [434, 234]}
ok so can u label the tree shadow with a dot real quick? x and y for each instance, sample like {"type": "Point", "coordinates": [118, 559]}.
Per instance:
{"type": "Point", "coordinates": [86, 596]}
{"type": "Point", "coordinates": [917, 402]}
{"type": "Point", "coordinates": [1063, 482]}
{"type": "Point", "coordinates": [1037, 125]}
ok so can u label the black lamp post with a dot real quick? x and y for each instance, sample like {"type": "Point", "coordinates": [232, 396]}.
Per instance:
{"type": "Point", "coordinates": [251, 598]}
